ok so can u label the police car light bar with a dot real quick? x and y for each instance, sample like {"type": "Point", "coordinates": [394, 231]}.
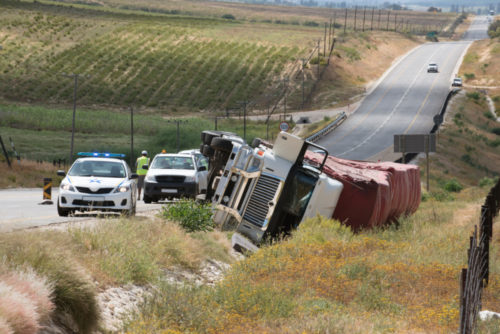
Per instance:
{"type": "Point", "coordinates": [101, 155]}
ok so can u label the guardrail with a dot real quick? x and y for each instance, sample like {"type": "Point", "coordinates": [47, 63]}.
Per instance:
{"type": "Point", "coordinates": [326, 130]}
{"type": "Point", "coordinates": [475, 277]}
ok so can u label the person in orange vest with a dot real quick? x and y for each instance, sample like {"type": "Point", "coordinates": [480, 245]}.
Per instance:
{"type": "Point", "coordinates": [141, 172]}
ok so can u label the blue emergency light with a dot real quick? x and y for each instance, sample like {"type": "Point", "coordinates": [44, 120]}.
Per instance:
{"type": "Point", "coordinates": [101, 155]}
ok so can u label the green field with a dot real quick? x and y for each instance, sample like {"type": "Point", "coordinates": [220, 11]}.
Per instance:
{"type": "Point", "coordinates": [42, 133]}
{"type": "Point", "coordinates": [169, 63]}
{"type": "Point", "coordinates": [169, 57]}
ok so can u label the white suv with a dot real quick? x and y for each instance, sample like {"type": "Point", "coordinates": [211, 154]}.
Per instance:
{"type": "Point", "coordinates": [432, 67]}
{"type": "Point", "coordinates": [176, 175]}
{"type": "Point", "coordinates": [97, 182]}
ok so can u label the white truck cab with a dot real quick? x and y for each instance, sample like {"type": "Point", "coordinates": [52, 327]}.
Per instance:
{"type": "Point", "coordinates": [266, 191]}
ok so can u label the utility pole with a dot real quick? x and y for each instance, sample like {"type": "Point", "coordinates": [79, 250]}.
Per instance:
{"type": "Point", "coordinates": [319, 40]}
{"type": "Point", "coordinates": [355, 15]}
{"type": "Point", "coordinates": [345, 19]}
{"type": "Point", "coordinates": [75, 77]}
{"type": "Point", "coordinates": [379, 15]}
{"type": "Point", "coordinates": [244, 103]}
{"type": "Point", "coordinates": [388, 14]}
{"type": "Point", "coordinates": [373, 12]}
{"type": "Point", "coordinates": [177, 123]}
{"type": "Point", "coordinates": [324, 42]}
{"type": "Point", "coordinates": [395, 23]}
{"type": "Point", "coordinates": [131, 136]}
{"type": "Point", "coordinates": [303, 81]}
{"type": "Point", "coordinates": [364, 17]}
{"type": "Point", "coordinates": [329, 33]}
{"type": "Point", "coordinates": [285, 86]}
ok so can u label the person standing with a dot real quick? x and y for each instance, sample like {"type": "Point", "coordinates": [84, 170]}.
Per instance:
{"type": "Point", "coordinates": [141, 172]}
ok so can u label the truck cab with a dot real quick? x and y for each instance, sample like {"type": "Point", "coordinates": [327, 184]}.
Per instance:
{"type": "Point", "coordinates": [265, 191]}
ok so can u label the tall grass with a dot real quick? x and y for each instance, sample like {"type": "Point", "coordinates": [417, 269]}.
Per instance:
{"type": "Point", "coordinates": [393, 280]}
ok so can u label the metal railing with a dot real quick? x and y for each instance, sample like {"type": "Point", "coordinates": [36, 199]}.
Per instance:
{"type": "Point", "coordinates": [326, 130]}
{"type": "Point", "coordinates": [475, 277]}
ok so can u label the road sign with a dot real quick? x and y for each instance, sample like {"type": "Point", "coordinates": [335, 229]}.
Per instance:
{"type": "Point", "coordinates": [415, 143]}
{"type": "Point", "coordinates": [284, 126]}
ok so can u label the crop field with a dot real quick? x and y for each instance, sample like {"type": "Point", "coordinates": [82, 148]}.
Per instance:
{"type": "Point", "coordinates": [166, 59]}
{"type": "Point", "coordinates": [147, 61]}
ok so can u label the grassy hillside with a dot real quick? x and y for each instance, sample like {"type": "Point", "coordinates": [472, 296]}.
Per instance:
{"type": "Point", "coordinates": [153, 55]}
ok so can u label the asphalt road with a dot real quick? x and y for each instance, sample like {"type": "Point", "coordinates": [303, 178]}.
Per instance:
{"type": "Point", "coordinates": [20, 209]}
{"type": "Point", "coordinates": [405, 100]}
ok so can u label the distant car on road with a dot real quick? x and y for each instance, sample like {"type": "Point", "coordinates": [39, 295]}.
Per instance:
{"type": "Point", "coordinates": [432, 67]}
{"type": "Point", "coordinates": [97, 181]}
{"type": "Point", "coordinates": [457, 82]}
{"type": "Point", "coordinates": [176, 175]}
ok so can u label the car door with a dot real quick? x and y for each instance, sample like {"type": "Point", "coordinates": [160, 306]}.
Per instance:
{"type": "Point", "coordinates": [202, 161]}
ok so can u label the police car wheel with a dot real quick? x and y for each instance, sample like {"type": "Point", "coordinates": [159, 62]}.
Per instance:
{"type": "Point", "coordinates": [62, 212]}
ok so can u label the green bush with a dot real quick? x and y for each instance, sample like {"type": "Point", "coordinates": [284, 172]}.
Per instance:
{"type": "Point", "coordinates": [474, 96]}
{"type": "Point", "coordinates": [496, 131]}
{"type": "Point", "coordinates": [453, 186]}
{"type": "Point", "coordinates": [311, 24]}
{"type": "Point", "coordinates": [487, 182]}
{"type": "Point", "coordinates": [469, 76]}
{"type": "Point", "coordinates": [191, 215]}
{"type": "Point", "coordinates": [228, 17]}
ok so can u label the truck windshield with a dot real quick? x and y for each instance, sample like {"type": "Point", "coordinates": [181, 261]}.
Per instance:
{"type": "Point", "coordinates": [298, 195]}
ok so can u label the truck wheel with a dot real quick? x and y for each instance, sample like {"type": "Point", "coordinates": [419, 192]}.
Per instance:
{"type": "Point", "coordinates": [207, 151]}
{"type": "Point", "coordinates": [207, 136]}
{"type": "Point", "coordinates": [222, 144]}
{"type": "Point", "coordinates": [256, 142]}
{"type": "Point", "coordinates": [147, 199]}
{"type": "Point", "coordinates": [62, 211]}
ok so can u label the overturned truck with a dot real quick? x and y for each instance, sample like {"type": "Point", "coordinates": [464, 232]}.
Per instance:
{"type": "Point", "coordinates": [262, 191]}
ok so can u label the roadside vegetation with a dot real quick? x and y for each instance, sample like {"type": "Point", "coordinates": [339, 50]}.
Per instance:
{"type": "Point", "coordinates": [54, 275]}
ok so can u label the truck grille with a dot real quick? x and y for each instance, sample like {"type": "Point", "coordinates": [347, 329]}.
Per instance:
{"type": "Point", "coordinates": [258, 205]}
{"type": "Point", "coordinates": [170, 178]}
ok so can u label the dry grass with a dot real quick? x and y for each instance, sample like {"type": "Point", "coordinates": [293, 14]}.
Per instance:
{"type": "Point", "coordinates": [25, 301]}
{"type": "Point", "coordinates": [27, 174]}
{"type": "Point", "coordinates": [326, 279]}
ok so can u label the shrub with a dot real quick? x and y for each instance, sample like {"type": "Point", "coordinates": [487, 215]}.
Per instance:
{"type": "Point", "coordinates": [453, 186]}
{"type": "Point", "coordinates": [469, 76]}
{"type": "Point", "coordinates": [311, 24]}
{"type": "Point", "coordinates": [496, 131]}
{"type": "Point", "coordinates": [228, 17]}
{"type": "Point", "coordinates": [192, 216]}
{"type": "Point", "coordinates": [474, 96]}
{"type": "Point", "coordinates": [487, 182]}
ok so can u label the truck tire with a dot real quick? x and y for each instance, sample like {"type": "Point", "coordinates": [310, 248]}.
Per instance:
{"type": "Point", "coordinates": [146, 199]}
{"type": "Point", "coordinates": [207, 151]}
{"type": "Point", "coordinates": [207, 136]}
{"type": "Point", "coordinates": [256, 142]}
{"type": "Point", "coordinates": [222, 144]}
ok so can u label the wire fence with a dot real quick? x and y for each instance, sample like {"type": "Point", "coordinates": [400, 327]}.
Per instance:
{"type": "Point", "coordinates": [475, 277]}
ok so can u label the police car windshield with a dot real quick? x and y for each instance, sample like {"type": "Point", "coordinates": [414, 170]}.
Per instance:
{"type": "Point", "coordinates": [172, 162]}
{"type": "Point", "coordinates": [97, 168]}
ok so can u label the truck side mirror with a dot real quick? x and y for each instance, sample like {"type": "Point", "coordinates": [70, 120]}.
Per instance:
{"type": "Point", "coordinates": [61, 173]}
{"type": "Point", "coordinates": [134, 176]}
{"type": "Point", "coordinates": [146, 166]}
{"type": "Point", "coordinates": [202, 168]}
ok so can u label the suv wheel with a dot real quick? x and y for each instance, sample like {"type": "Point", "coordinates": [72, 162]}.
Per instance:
{"type": "Point", "coordinates": [147, 199]}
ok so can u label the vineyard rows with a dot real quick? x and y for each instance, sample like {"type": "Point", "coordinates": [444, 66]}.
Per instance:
{"type": "Point", "coordinates": [154, 64]}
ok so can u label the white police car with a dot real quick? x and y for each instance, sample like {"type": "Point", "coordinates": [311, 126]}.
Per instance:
{"type": "Point", "coordinates": [98, 181]}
